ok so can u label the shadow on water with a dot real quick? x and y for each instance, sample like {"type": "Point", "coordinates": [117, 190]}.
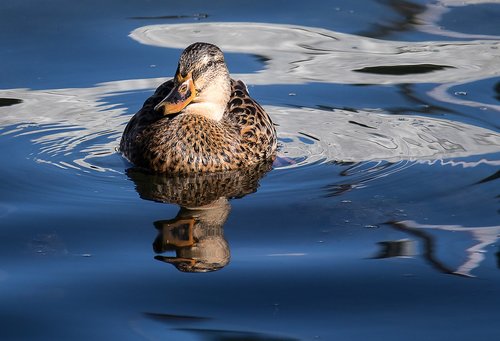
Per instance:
{"type": "Point", "coordinates": [196, 233]}
{"type": "Point", "coordinates": [5, 102]}
{"type": "Point", "coordinates": [227, 335]}
{"type": "Point", "coordinates": [402, 69]}
{"type": "Point", "coordinates": [212, 334]}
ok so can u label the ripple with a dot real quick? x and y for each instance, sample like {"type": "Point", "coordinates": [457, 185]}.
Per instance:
{"type": "Point", "coordinates": [79, 134]}
{"type": "Point", "coordinates": [79, 129]}
{"type": "Point", "coordinates": [71, 127]}
{"type": "Point", "coordinates": [312, 136]}
{"type": "Point", "coordinates": [300, 54]}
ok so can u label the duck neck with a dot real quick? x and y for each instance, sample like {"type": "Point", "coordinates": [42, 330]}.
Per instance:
{"type": "Point", "coordinates": [210, 110]}
{"type": "Point", "coordinates": [211, 102]}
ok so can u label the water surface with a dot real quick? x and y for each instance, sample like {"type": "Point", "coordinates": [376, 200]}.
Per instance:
{"type": "Point", "coordinates": [379, 219]}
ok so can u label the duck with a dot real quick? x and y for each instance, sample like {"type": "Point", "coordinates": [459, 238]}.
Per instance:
{"type": "Point", "coordinates": [200, 121]}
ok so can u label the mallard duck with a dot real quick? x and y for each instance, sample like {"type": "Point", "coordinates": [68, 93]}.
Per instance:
{"type": "Point", "coordinates": [199, 121]}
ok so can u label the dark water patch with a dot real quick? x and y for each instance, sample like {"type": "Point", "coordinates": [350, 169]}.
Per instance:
{"type": "Point", "coordinates": [395, 248]}
{"type": "Point", "coordinates": [361, 125]}
{"type": "Point", "coordinates": [169, 318]}
{"type": "Point", "coordinates": [403, 69]}
{"type": "Point", "coordinates": [232, 335]}
{"type": "Point", "coordinates": [333, 108]}
{"type": "Point", "coordinates": [309, 136]}
{"type": "Point", "coordinates": [5, 102]}
{"type": "Point", "coordinates": [262, 59]}
{"type": "Point", "coordinates": [407, 12]}
{"type": "Point", "coordinates": [492, 177]}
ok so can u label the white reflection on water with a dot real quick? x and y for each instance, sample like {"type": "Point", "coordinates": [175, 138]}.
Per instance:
{"type": "Point", "coordinates": [75, 126]}
{"type": "Point", "coordinates": [352, 137]}
{"type": "Point", "coordinates": [299, 54]}
{"type": "Point", "coordinates": [475, 254]}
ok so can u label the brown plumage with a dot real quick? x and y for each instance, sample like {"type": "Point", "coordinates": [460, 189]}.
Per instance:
{"type": "Point", "coordinates": [200, 121]}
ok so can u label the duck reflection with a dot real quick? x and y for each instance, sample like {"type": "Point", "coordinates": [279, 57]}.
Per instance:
{"type": "Point", "coordinates": [196, 233]}
{"type": "Point", "coordinates": [197, 237]}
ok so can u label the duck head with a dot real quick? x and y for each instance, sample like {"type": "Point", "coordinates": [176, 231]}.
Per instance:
{"type": "Point", "coordinates": [202, 84]}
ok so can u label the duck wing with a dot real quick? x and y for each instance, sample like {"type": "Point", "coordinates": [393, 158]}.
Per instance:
{"type": "Point", "coordinates": [143, 119]}
{"type": "Point", "coordinates": [256, 129]}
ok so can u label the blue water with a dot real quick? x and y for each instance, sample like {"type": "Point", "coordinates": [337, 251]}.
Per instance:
{"type": "Point", "coordinates": [380, 218]}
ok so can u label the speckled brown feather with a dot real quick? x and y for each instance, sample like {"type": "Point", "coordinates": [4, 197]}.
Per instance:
{"type": "Point", "coordinates": [190, 143]}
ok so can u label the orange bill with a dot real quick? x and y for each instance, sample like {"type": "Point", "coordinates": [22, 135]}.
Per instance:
{"type": "Point", "coordinates": [180, 96]}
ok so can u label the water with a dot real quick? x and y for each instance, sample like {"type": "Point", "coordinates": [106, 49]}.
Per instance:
{"type": "Point", "coordinates": [380, 218]}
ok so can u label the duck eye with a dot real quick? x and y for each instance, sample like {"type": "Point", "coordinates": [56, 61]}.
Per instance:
{"type": "Point", "coordinates": [183, 88]}
{"type": "Point", "coordinates": [210, 63]}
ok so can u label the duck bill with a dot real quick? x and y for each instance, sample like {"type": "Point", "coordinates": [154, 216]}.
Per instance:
{"type": "Point", "coordinates": [179, 97]}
